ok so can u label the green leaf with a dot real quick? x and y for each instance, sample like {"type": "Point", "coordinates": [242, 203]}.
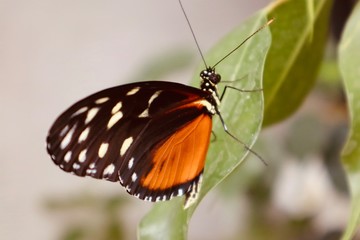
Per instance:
{"type": "Point", "coordinates": [349, 55]}
{"type": "Point", "coordinates": [242, 113]}
{"type": "Point", "coordinates": [299, 34]}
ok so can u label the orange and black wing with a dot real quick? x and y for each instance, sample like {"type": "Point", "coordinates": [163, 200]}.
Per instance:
{"type": "Point", "coordinates": [151, 136]}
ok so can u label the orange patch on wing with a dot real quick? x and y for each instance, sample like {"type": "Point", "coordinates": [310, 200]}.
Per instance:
{"type": "Point", "coordinates": [180, 158]}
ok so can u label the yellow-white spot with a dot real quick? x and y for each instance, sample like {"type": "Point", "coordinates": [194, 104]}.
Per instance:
{"type": "Point", "coordinates": [133, 177]}
{"type": "Point", "coordinates": [155, 95]}
{"type": "Point", "coordinates": [76, 166]}
{"type": "Point", "coordinates": [84, 134]}
{"type": "Point", "coordinates": [131, 163]}
{"type": "Point", "coordinates": [102, 100]}
{"type": "Point", "coordinates": [109, 169]}
{"type": "Point", "coordinates": [67, 156]}
{"type": "Point", "coordinates": [64, 130]}
{"type": "Point", "coordinates": [91, 114]}
{"type": "Point", "coordinates": [103, 149]}
{"type": "Point", "coordinates": [82, 156]}
{"type": "Point", "coordinates": [116, 108]}
{"type": "Point", "coordinates": [67, 138]}
{"type": "Point", "coordinates": [81, 110]}
{"type": "Point", "coordinates": [114, 119]}
{"type": "Point", "coordinates": [133, 91]}
{"type": "Point", "coordinates": [144, 114]}
{"type": "Point", "coordinates": [125, 146]}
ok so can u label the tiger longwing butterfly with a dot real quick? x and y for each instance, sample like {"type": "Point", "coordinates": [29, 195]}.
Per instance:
{"type": "Point", "coordinates": [151, 136]}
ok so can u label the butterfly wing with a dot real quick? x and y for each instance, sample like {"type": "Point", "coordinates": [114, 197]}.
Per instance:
{"type": "Point", "coordinates": [150, 136]}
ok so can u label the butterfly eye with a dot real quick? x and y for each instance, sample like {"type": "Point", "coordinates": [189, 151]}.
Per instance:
{"type": "Point", "coordinates": [215, 78]}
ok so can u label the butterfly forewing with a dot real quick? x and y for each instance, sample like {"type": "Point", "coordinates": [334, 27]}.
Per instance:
{"type": "Point", "coordinates": [150, 136]}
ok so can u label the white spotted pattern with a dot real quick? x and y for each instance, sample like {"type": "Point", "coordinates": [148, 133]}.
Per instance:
{"type": "Point", "coordinates": [84, 134]}
{"type": "Point", "coordinates": [131, 163]}
{"type": "Point", "coordinates": [133, 91]}
{"type": "Point", "coordinates": [81, 110]}
{"type": "Point", "coordinates": [64, 130]}
{"type": "Point", "coordinates": [67, 138]}
{"type": "Point", "coordinates": [67, 156]}
{"type": "Point", "coordinates": [76, 166]}
{"type": "Point", "coordinates": [102, 100]}
{"type": "Point", "coordinates": [90, 171]}
{"type": "Point", "coordinates": [103, 149]}
{"type": "Point", "coordinates": [133, 177]}
{"type": "Point", "coordinates": [155, 95]}
{"type": "Point", "coordinates": [116, 108]}
{"type": "Point", "coordinates": [91, 114]}
{"type": "Point", "coordinates": [125, 146]}
{"type": "Point", "coordinates": [114, 119]}
{"type": "Point", "coordinates": [109, 169]}
{"type": "Point", "coordinates": [144, 114]}
{"type": "Point", "coordinates": [82, 156]}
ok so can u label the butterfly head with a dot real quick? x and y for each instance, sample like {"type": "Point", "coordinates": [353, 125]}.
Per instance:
{"type": "Point", "coordinates": [209, 75]}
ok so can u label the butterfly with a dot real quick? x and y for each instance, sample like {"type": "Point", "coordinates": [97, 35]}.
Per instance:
{"type": "Point", "coordinates": [152, 136]}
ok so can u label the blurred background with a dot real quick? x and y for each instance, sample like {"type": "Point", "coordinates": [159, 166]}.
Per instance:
{"type": "Point", "coordinates": [52, 53]}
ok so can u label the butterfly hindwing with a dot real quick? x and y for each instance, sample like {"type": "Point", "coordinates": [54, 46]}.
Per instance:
{"type": "Point", "coordinates": [150, 136]}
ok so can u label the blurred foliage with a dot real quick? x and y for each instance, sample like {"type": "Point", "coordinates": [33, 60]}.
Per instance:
{"type": "Point", "coordinates": [104, 208]}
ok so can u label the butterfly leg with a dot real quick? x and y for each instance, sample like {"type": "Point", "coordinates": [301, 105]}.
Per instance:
{"type": "Point", "coordinates": [238, 89]}
{"type": "Point", "coordinates": [238, 140]}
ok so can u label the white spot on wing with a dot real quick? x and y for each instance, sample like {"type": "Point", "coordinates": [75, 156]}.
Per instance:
{"type": "Point", "coordinates": [116, 108]}
{"type": "Point", "coordinates": [114, 119]}
{"type": "Point", "coordinates": [91, 114]}
{"type": "Point", "coordinates": [76, 166]}
{"type": "Point", "coordinates": [144, 114]}
{"type": "Point", "coordinates": [92, 165]}
{"type": "Point", "coordinates": [67, 138]}
{"type": "Point", "coordinates": [125, 146]}
{"type": "Point", "coordinates": [64, 130]}
{"type": "Point", "coordinates": [109, 169]}
{"type": "Point", "coordinates": [67, 156]}
{"type": "Point", "coordinates": [82, 156]}
{"type": "Point", "coordinates": [84, 134]}
{"type": "Point", "coordinates": [90, 171]}
{"type": "Point", "coordinates": [155, 95]}
{"type": "Point", "coordinates": [180, 192]}
{"type": "Point", "coordinates": [194, 194]}
{"type": "Point", "coordinates": [102, 100]}
{"type": "Point", "coordinates": [103, 149]}
{"type": "Point", "coordinates": [131, 163]}
{"type": "Point", "coordinates": [133, 177]}
{"type": "Point", "coordinates": [81, 110]}
{"type": "Point", "coordinates": [133, 91]}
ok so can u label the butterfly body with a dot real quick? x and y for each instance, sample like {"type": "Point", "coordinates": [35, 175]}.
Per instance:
{"type": "Point", "coordinates": [152, 136]}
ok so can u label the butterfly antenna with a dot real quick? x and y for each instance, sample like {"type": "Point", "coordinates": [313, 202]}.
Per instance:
{"type": "Point", "coordinates": [258, 30]}
{"type": "Point", "coordinates": [193, 34]}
